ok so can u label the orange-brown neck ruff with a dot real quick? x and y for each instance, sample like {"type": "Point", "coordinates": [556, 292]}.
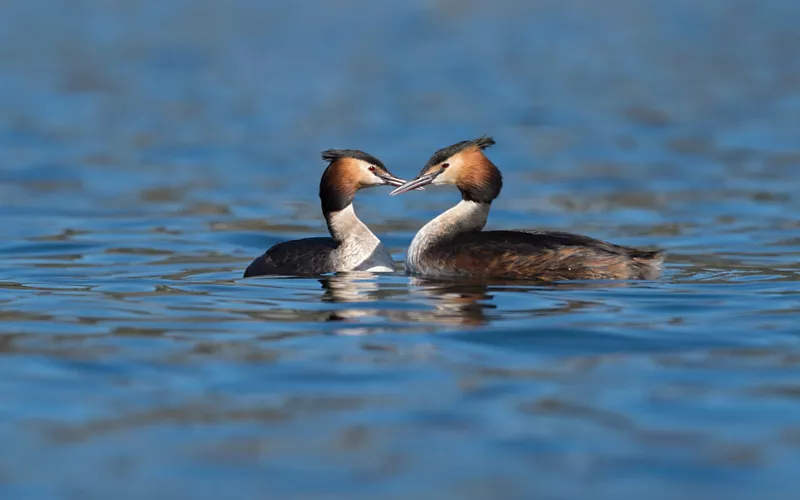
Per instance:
{"type": "Point", "coordinates": [478, 180]}
{"type": "Point", "coordinates": [338, 186]}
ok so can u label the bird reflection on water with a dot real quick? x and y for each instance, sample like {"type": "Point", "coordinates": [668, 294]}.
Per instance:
{"type": "Point", "coordinates": [455, 302]}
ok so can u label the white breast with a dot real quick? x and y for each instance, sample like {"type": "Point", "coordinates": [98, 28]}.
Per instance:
{"type": "Point", "coordinates": [414, 254]}
{"type": "Point", "coordinates": [359, 249]}
{"type": "Point", "coordinates": [378, 261]}
{"type": "Point", "coordinates": [466, 216]}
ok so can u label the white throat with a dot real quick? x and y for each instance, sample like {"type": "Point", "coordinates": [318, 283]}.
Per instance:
{"type": "Point", "coordinates": [359, 249]}
{"type": "Point", "coordinates": [464, 217]}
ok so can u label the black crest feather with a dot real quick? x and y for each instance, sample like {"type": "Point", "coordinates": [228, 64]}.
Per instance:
{"type": "Point", "coordinates": [445, 153]}
{"type": "Point", "coordinates": [336, 195]}
{"type": "Point", "coordinates": [332, 155]}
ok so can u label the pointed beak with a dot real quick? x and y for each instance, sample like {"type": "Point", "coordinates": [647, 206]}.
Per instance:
{"type": "Point", "coordinates": [422, 180]}
{"type": "Point", "coordinates": [392, 180]}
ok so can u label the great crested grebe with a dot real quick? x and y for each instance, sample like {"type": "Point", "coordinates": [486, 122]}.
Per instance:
{"type": "Point", "coordinates": [454, 245]}
{"type": "Point", "coordinates": [353, 247]}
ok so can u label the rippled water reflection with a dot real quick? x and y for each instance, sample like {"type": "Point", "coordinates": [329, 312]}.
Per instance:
{"type": "Point", "coordinates": [148, 151]}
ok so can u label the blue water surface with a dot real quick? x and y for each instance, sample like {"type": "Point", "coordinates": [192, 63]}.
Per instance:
{"type": "Point", "coordinates": [149, 150]}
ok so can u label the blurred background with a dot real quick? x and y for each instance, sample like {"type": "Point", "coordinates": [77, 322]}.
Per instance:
{"type": "Point", "coordinates": [149, 150]}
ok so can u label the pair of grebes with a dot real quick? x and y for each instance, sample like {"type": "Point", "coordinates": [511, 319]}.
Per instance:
{"type": "Point", "coordinates": [453, 244]}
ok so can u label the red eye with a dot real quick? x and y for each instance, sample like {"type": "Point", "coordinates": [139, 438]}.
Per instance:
{"type": "Point", "coordinates": [445, 165]}
{"type": "Point", "coordinates": [371, 169]}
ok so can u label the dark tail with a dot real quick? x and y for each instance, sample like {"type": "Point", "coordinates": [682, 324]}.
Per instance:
{"type": "Point", "coordinates": [259, 267]}
{"type": "Point", "coordinates": [647, 265]}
